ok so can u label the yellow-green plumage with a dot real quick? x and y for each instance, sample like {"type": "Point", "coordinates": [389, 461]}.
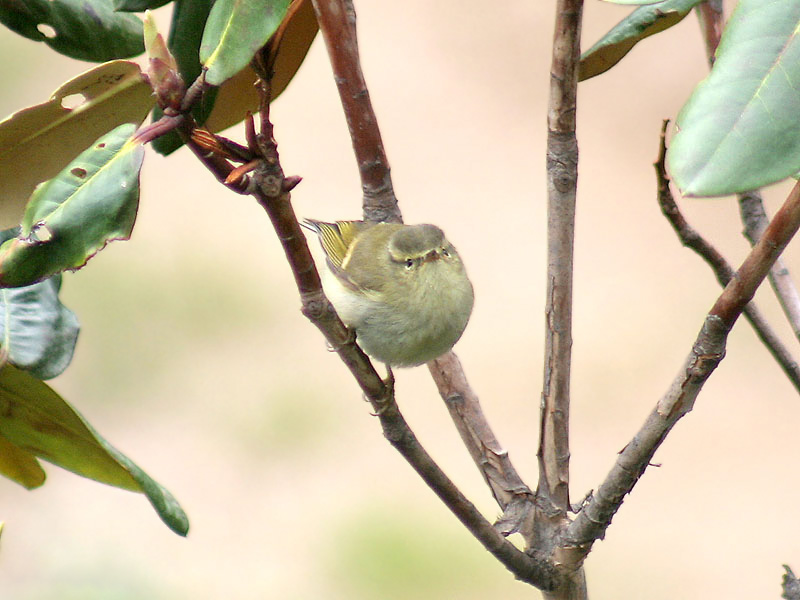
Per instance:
{"type": "Point", "coordinates": [402, 288]}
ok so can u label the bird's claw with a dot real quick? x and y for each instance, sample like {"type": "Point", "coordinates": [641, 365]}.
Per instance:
{"type": "Point", "coordinates": [388, 395]}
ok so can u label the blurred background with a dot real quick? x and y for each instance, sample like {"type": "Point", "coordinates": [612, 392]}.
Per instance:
{"type": "Point", "coordinates": [194, 358]}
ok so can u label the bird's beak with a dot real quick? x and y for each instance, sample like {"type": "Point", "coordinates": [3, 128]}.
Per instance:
{"type": "Point", "coordinates": [431, 256]}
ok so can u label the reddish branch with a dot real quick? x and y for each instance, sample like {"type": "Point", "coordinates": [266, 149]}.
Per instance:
{"type": "Point", "coordinates": [710, 15]}
{"type": "Point", "coordinates": [337, 23]}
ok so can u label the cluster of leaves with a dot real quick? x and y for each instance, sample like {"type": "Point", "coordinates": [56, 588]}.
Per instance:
{"type": "Point", "coordinates": [739, 129]}
{"type": "Point", "coordinates": [69, 184]}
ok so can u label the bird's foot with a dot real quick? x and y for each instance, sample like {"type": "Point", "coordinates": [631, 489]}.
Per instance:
{"type": "Point", "coordinates": [388, 395]}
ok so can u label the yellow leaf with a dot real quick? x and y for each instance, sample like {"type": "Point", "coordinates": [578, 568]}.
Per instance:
{"type": "Point", "coordinates": [38, 141]}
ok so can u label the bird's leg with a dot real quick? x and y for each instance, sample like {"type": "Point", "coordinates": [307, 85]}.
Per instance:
{"type": "Point", "coordinates": [388, 397]}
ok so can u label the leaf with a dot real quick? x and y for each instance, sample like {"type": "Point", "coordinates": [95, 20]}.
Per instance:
{"type": "Point", "coordinates": [83, 29]}
{"type": "Point", "coordinates": [641, 23]}
{"type": "Point", "coordinates": [20, 466]}
{"type": "Point", "coordinates": [37, 420]}
{"type": "Point", "coordinates": [37, 142]}
{"type": "Point", "coordinates": [238, 95]}
{"type": "Point", "coordinates": [235, 31]}
{"type": "Point", "coordinates": [739, 129]}
{"type": "Point", "coordinates": [137, 5]}
{"type": "Point", "coordinates": [74, 215]}
{"type": "Point", "coordinates": [38, 332]}
{"type": "Point", "coordinates": [186, 31]}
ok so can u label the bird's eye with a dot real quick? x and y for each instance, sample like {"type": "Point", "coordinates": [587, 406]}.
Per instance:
{"type": "Point", "coordinates": [445, 252]}
{"type": "Point", "coordinates": [409, 263]}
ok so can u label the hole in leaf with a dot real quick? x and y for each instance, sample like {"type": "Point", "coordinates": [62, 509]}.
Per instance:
{"type": "Point", "coordinates": [73, 101]}
{"type": "Point", "coordinates": [47, 31]}
{"type": "Point", "coordinates": [41, 233]}
{"type": "Point", "coordinates": [78, 172]}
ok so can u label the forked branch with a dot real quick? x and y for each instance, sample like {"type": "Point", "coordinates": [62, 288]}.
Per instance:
{"type": "Point", "coordinates": [706, 353]}
{"type": "Point", "coordinates": [690, 238]}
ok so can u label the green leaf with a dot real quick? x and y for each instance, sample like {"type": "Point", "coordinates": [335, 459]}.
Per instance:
{"type": "Point", "coordinates": [37, 420]}
{"type": "Point", "coordinates": [238, 95]}
{"type": "Point", "coordinates": [39, 141]}
{"type": "Point", "coordinates": [186, 32]}
{"type": "Point", "coordinates": [641, 23]}
{"type": "Point", "coordinates": [38, 332]}
{"type": "Point", "coordinates": [235, 31]}
{"type": "Point", "coordinates": [137, 5]}
{"type": "Point", "coordinates": [74, 215]}
{"type": "Point", "coordinates": [83, 29]}
{"type": "Point", "coordinates": [740, 130]}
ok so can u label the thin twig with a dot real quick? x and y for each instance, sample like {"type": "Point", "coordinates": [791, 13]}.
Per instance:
{"type": "Point", "coordinates": [690, 238]}
{"type": "Point", "coordinates": [755, 220]}
{"type": "Point", "coordinates": [706, 353]}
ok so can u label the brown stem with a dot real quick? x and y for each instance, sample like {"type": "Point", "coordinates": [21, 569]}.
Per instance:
{"type": "Point", "coordinates": [690, 238]}
{"type": "Point", "coordinates": [337, 22]}
{"type": "Point", "coordinates": [511, 493]}
{"type": "Point", "coordinates": [710, 15]}
{"type": "Point", "coordinates": [562, 179]}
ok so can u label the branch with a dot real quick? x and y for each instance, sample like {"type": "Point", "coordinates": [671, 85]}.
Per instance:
{"type": "Point", "coordinates": [710, 15]}
{"type": "Point", "coordinates": [337, 22]}
{"type": "Point", "coordinates": [706, 353]}
{"type": "Point", "coordinates": [722, 270]}
{"type": "Point", "coordinates": [562, 180]}
{"type": "Point", "coordinates": [514, 497]}
{"type": "Point", "coordinates": [552, 493]}
{"type": "Point", "coordinates": [754, 218]}
{"type": "Point", "coordinates": [790, 585]}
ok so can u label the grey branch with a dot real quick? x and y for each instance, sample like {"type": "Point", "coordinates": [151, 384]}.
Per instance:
{"type": "Point", "coordinates": [754, 218]}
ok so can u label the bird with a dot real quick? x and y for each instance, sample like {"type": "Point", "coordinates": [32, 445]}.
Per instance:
{"type": "Point", "coordinates": [401, 288]}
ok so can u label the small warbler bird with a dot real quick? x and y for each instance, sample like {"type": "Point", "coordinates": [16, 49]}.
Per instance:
{"type": "Point", "coordinates": [401, 288]}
